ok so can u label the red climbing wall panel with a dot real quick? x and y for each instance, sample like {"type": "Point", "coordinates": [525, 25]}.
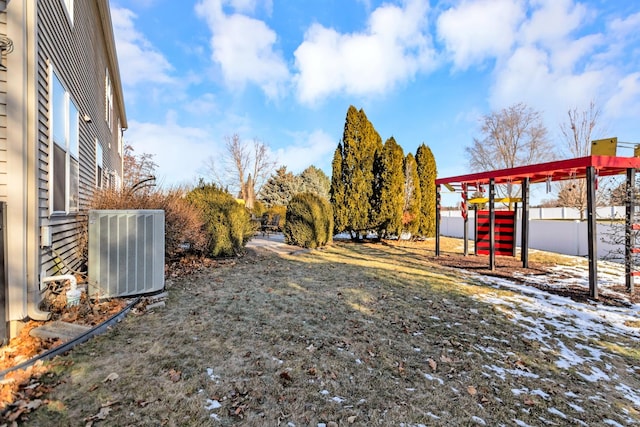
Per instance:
{"type": "Point", "coordinates": [505, 232]}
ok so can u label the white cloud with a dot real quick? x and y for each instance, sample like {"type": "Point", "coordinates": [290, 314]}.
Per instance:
{"type": "Point", "coordinates": [528, 76]}
{"type": "Point", "coordinates": [552, 21]}
{"type": "Point", "coordinates": [395, 46]}
{"type": "Point", "coordinates": [244, 47]}
{"type": "Point", "coordinates": [179, 151]}
{"type": "Point", "coordinates": [477, 30]}
{"type": "Point", "coordinates": [139, 61]}
{"type": "Point", "coordinates": [315, 149]}
{"type": "Point", "coordinates": [625, 102]}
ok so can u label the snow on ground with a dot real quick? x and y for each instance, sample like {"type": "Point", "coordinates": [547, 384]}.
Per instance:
{"type": "Point", "coordinates": [567, 330]}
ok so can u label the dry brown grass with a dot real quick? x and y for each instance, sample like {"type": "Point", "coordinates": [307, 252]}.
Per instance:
{"type": "Point", "coordinates": [355, 334]}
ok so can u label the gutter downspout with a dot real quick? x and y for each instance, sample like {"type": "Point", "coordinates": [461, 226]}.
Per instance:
{"type": "Point", "coordinates": [33, 257]}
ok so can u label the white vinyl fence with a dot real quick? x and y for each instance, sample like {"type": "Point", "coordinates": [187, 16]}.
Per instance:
{"type": "Point", "coordinates": [563, 234]}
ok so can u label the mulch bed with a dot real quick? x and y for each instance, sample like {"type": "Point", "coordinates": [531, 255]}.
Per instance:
{"type": "Point", "coordinates": [507, 266]}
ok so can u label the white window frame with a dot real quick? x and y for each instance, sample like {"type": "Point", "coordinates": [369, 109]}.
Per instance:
{"type": "Point", "coordinates": [68, 5]}
{"type": "Point", "coordinates": [119, 129]}
{"type": "Point", "coordinates": [64, 138]}
{"type": "Point", "coordinates": [99, 165]}
{"type": "Point", "coordinates": [108, 103]}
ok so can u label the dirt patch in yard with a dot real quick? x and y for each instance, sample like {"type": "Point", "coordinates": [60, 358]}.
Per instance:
{"type": "Point", "coordinates": [354, 334]}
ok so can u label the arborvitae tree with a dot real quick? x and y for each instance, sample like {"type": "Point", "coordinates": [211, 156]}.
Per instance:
{"type": "Point", "coordinates": [427, 172]}
{"type": "Point", "coordinates": [337, 192]}
{"type": "Point", "coordinates": [360, 145]}
{"type": "Point", "coordinates": [314, 180]}
{"type": "Point", "coordinates": [391, 189]}
{"type": "Point", "coordinates": [279, 188]}
{"type": "Point", "coordinates": [411, 215]}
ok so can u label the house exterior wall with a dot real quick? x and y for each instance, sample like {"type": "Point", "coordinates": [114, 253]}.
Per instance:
{"type": "Point", "coordinates": [78, 46]}
{"type": "Point", "coordinates": [3, 110]}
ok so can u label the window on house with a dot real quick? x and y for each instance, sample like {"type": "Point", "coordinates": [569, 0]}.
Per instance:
{"type": "Point", "coordinates": [69, 6]}
{"type": "Point", "coordinates": [108, 94]}
{"type": "Point", "coordinates": [64, 167]}
{"type": "Point", "coordinates": [99, 165]}
{"type": "Point", "coordinates": [119, 138]}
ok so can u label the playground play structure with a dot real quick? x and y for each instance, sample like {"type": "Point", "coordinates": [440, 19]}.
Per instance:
{"type": "Point", "coordinates": [495, 230]}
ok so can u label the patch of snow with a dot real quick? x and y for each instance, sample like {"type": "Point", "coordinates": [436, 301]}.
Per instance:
{"type": "Point", "coordinates": [575, 407]}
{"type": "Point", "coordinates": [417, 349]}
{"type": "Point", "coordinates": [521, 423]}
{"type": "Point", "coordinates": [540, 393]}
{"type": "Point", "coordinates": [338, 399]}
{"type": "Point", "coordinates": [557, 412]}
{"type": "Point", "coordinates": [519, 391]}
{"type": "Point", "coordinates": [358, 362]}
{"type": "Point", "coordinates": [478, 420]}
{"type": "Point", "coordinates": [501, 372]}
{"type": "Point", "coordinates": [612, 423]}
{"type": "Point", "coordinates": [596, 375]}
{"type": "Point", "coordinates": [432, 415]}
{"type": "Point", "coordinates": [432, 378]}
{"type": "Point", "coordinates": [213, 404]}
{"type": "Point", "coordinates": [324, 392]}
{"type": "Point", "coordinates": [629, 394]}
{"type": "Point", "coordinates": [211, 375]}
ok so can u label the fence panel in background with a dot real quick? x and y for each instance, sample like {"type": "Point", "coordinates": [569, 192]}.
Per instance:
{"type": "Point", "coordinates": [564, 237]}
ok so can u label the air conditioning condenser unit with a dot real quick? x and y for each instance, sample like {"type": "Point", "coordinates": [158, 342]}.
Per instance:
{"type": "Point", "coordinates": [126, 252]}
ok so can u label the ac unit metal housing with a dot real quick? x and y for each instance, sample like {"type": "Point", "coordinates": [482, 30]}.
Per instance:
{"type": "Point", "coordinates": [126, 252]}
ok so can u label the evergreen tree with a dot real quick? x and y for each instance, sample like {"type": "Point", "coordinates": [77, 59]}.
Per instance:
{"type": "Point", "coordinates": [314, 180]}
{"type": "Point", "coordinates": [360, 144]}
{"type": "Point", "coordinates": [427, 172]}
{"type": "Point", "coordinates": [337, 192]}
{"type": "Point", "coordinates": [411, 215]}
{"type": "Point", "coordinates": [390, 178]}
{"type": "Point", "coordinates": [279, 188]}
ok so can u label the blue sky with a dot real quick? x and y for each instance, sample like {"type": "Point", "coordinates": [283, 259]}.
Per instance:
{"type": "Point", "coordinates": [285, 72]}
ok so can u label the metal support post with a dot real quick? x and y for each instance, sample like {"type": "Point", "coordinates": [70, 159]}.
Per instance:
{"type": "Point", "coordinates": [492, 224]}
{"type": "Point", "coordinates": [465, 230]}
{"type": "Point", "coordinates": [628, 232]}
{"type": "Point", "coordinates": [438, 220]}
{"type": "Point", "coordinates": [524, 239]}
{"type": "Point", "coordinates": [592, 235]}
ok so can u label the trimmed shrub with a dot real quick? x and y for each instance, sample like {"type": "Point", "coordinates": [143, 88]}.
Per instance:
{"type": "Point", "coordinates": [227, 224]}
{"type": "Point", "coordinates": [309, 221]}
{"type": "Point", "coordinates": [182, 221]}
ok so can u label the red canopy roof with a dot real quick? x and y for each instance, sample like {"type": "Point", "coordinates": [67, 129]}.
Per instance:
{"type": "Point", "coordinates": [554, 171]}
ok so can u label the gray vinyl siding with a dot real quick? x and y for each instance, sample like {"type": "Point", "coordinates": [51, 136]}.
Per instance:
{"type": "Point", "coordinates": [3, 112]}
{"type": "Point", "coordinates": [78, 54]}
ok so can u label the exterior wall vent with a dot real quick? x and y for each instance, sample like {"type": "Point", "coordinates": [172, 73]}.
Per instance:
{"type": "Point", "coordinates": [126, 252]}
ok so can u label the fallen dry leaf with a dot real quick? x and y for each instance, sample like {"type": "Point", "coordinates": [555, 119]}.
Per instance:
{"type": "Point", "coordinates": [433, 364]}
{"type": "Point", "coordinates": [351, 419]}
{"type": "Point", "coordinates": [472, 390]}
{"type": "Point", "coordinates": [174, 375]}
{"type": "Point", "coordinates": [446, 359]}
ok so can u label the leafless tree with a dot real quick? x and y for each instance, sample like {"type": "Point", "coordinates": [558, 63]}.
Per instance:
{"type": "Point", "coordinates": [514, 136]}
{"type": "Point", "coordinates": [244, 168]}
{"type": "Point", "coordinates": [139, 170]}
{"type": "Point", "coordinates": [577, 133]}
